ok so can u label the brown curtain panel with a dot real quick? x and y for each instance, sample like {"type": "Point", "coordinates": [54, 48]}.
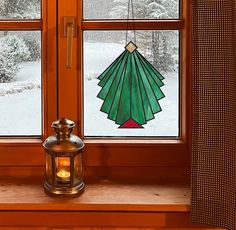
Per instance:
{"type": "Point", "coordinates": [213, 199]}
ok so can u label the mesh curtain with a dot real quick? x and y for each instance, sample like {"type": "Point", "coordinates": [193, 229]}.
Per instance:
{"type": "Point", "coordinates": [213, 199]}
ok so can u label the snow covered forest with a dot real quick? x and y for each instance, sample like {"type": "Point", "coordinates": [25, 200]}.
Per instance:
{"type": "Point", "coordinates": [21, 9]}
{"type": "Point", "coordinates": [158, 45]}
{"type": "Point", "coordinates": [20, 66]}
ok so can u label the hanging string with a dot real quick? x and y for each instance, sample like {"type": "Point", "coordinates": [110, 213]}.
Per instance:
{"type": "Point", "coordinates": [130, 4]}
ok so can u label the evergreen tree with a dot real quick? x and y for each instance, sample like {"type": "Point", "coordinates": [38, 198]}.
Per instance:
{"type": "Point", "coordinates": [8, 66]}
{"type": "Point", "coordinates": [17, 49]}
{"type": "Point", "coordinates": [13, 51]}
{"type": "Point", "coordinates": [32, 40]}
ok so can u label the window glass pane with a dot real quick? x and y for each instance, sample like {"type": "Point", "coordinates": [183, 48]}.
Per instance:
{"type": "Point", "coordinates": [20, 83]}
{"type": "Point", "coordinates": [143, 9]}
{"type": "Point", "coordinates": [161, 49]}
{"type": "Point", "coordinates": [20, 9]}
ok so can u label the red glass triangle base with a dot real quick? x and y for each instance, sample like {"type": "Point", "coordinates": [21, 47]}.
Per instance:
{"type": "Point", "coordinates": [130, 124]}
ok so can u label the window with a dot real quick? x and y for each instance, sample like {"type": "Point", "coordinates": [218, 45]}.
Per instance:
{"type": "Point", "coordinates": [20, 83]}
{"type": "Point", "coordinates": [66, 92]}
{"type": "Point", "coordinates": [163, 142]}
{"type": "Point", "coordinates": [20, 73]}
{"type": "Point", "coordinates": [101, 48]}
{"type": "Point", "coordinates": [28, 79]}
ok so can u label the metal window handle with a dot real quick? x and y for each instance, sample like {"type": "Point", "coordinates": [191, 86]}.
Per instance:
{"type": "Point", "coordinates": [69, 33]}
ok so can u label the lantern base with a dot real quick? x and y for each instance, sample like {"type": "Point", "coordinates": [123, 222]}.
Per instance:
{"type": "Point", "coordinates": [64, 190]}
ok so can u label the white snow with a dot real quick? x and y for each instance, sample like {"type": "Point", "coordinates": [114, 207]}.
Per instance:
{"type": "Point", "coordinates": [20, 102]}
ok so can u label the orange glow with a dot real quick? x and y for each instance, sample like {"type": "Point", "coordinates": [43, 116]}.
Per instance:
{"type": "Point", "coordinates": [64, 162]}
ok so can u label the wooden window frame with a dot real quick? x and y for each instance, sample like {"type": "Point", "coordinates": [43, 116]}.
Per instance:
{"type": "Point", "coordinates": [67, 101]}
{"type": "Point", "coordinates": [143, 152]}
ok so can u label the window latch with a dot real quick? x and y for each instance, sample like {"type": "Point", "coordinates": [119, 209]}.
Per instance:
{"type": "Point", "coordinates": [69, 33]}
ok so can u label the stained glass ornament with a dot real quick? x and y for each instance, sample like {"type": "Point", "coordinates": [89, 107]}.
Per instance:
{"type": "Point", "coordinates": [131, 89]}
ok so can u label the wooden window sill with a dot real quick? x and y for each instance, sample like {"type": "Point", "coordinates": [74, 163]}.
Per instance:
{"type": "Point", "coordinates": [26, 194]}
{"type": "Point", "coordinates": [104, 203]}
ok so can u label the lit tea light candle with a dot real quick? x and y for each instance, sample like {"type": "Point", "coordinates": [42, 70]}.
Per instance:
{"type": "Point", "coordinates": [63, 175]}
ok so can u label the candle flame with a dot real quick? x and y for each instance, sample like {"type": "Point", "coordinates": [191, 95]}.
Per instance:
{"type": "Point", "coordinates": [63, 174]}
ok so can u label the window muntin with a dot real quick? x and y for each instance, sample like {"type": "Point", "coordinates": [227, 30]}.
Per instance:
{"type": "Point", "coordinates": [101, 48]}
{"type": "Point", "coordinates": [143, 9]}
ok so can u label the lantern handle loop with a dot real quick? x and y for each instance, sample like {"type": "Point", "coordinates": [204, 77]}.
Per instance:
{"type": "Point", "coordinates": [63, 128]}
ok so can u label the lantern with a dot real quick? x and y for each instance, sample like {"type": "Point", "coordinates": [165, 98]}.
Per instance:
{"type": "Point", "coordinates": [63, 172]}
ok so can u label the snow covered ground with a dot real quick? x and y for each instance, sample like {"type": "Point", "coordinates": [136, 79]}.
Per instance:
{"type": "Point", "coordinates": [20, 101]}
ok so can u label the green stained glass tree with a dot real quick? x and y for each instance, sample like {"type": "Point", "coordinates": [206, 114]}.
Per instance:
{"type": "Point", "coordinates": [131, 89]}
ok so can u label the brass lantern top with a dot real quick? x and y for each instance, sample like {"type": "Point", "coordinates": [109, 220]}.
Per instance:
{"type": "Point", "coordinates": [63, 143]}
